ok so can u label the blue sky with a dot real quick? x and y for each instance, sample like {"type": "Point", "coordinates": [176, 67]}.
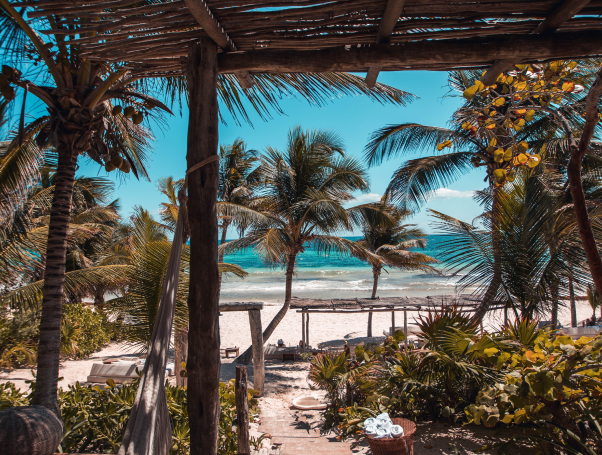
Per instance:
{"type": "Point", "coordinates": [354, 118]}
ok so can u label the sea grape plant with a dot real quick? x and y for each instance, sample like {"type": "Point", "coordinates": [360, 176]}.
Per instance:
{"type": "Point", "coordinates": [554, 388]}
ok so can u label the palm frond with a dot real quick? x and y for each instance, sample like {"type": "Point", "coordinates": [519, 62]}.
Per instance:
{"type": "Point", "coordinates": [416, 180]}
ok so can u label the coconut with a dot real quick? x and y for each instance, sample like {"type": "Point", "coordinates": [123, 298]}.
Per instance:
{"type": "Point", "coordinates": [117, 110]}
{"type": "Point", "coordinates": [116, 160]}
{"type": "Point", "coordinates": [137, 118]}
{"type": "Point", "coordinates": [129, 111]}
{"type": "Point", "coordinates": [110, 167]}
{"type": "Point", "coordinates": [31, 430]}
{"type": "Point", "coordinates": [125, 166]}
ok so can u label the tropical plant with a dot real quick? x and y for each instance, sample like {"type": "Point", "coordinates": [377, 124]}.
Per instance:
{"type": "Point", "coordinates": [238, 177]}
{"type": "Point", "coordinates": [552, 389]}
{"type": "Point", "coordinates": [537, 247]}
{"type": "Point", "coordinates": [301, 204]}
{"type": "Point", "coordinates": [392, 245]}
{"type": "Point", "coordinates": [495, 129]}
{"type": "Point", "coordinates": [95, 418]}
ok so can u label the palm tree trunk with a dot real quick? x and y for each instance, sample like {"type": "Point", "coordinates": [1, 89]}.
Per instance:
{"type": "Point", "coordinates": [573, 303]}
{"type": "Point", "coordinates": [494, 285]}
{"type": "Point", "coordinates": [554, 292]}
{"type": "Point", "coordinates": [49, 346]}
{"type": "Point", "coordinates": [245, 357]}
{"type": "Point", "coordinates": [376, 275]}
{"type": "Point", "coordinates": [573, 172]}
{"type": "Point", "coordinates": [225, 223]}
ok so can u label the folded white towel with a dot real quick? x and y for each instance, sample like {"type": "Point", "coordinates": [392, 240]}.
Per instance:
{"type": "Point", "coordinates": [370, 421]}
{"type": "Point", "coordinates": [396, 431]}
{"type": "Point", "coordinates": [383, 416]}
{"type": "Point", "coordinates": [370, 429]}
{"type": "Point", "coordinates": [386, 425]}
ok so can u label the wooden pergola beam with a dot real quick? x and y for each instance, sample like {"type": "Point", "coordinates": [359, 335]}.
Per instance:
{"type": "Point", "coordinates": [442, 54]}
{"type": "Point", "coordinates": [561, 14]}
{"type": "Point", "coordinates": [205, 18]}
{"type": "Point", "coordinates": [385, 28]}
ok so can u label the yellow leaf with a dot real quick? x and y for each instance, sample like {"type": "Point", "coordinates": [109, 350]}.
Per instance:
{"type": "Point", "coordinates": [492, 142]}
{"type": "Point", "coordinates": [529, 115]}
{"type": "Point", "coordinates": [522, 146]}
{"type": "Point", "coordinates": [508, 155]}
{"type": "Point", "coordinates": [508, 418]}
{"type": "Point", "coordinates": [500, 101]}
{"type": "Point", "coordinates": [466, 125]}
{"type": "Point", "coordinates": [520, 111]}
{"type": "Point", "coordinates": [498, 155]}
{"type": "Point", "coordinates": [519, 122]}
{"type": "Point", "coordinates": [522, 159]}
{"type": "Point", "coordinates": [510, 80]}
{"type": "Point", "coordinates": [520, 86]}
{"type": "Point", "coordinates": [534, 160]}
{"type": "Point", "coordinates": [470, 92]}
{"type": "Point", "coordinates": [439, 147]}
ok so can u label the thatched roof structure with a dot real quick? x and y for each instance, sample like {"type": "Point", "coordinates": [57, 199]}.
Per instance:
{"type": "Point", "coordinates": [334, 35]}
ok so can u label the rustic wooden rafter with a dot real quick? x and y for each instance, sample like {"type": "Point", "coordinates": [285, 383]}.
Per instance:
{"type": "Point", "coordinates": [448, 54]}
{"type": "Point", "coordinates": [204, 16]}
{"type": "Point", "coordinates": [390, 17]}
{"type": "Point", "coordinates": [565, 11]}
{"type": "Point", "coordinates": [150, 38]}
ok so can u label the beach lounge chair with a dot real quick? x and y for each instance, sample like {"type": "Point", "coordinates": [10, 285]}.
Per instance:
{"type": "Point", "coordinates": [120, 371]}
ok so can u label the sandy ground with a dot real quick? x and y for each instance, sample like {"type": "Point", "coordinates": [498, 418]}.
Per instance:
{"type": "Point", "coordinates": [324, 330]}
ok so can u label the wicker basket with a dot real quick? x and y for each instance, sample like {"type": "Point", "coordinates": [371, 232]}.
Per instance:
{"type": "Point", "coordinates": [403, 445]}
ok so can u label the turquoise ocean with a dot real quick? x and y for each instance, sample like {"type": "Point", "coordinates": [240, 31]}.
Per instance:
{"type": "Point", "coordinates": [332, 277]}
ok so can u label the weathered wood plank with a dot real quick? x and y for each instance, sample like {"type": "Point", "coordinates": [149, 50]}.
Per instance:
{"type": "Point", "coordinates": [257, 345]}
{"type": "Point", "coordinates": [450, 53]}
{"type": "Point", "coordinates": [385, 28]}
{"type": "Point", "coordinates": [204, 16]}
{"type": "Point", "coordinates": [242, 411]}
{"type": "Point", "coordinates": [240, 306]}
{"type": "Point", "coordinates": [203, 364]}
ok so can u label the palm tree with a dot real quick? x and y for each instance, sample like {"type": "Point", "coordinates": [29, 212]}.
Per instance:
{"type": "Point", "coordinates": [238, 177]}
{"type": "Point", "coordinates": [538, 247]}
{"type": "Point", "coordinates": [81, 120]}
{"type": "Point", "coordinates": [392, 245]}
{"type": "Point", "coordinates": [302, 200]}
{"type": "Point", "coordinates": [476, 141]}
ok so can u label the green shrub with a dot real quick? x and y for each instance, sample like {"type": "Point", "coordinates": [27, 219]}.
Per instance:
{"type": "Point", "coordinates": [83, 331]}
{"type": "Point", "coordinates": [552, 388]}
{"type": "Point", "coordinates": [95, 419]}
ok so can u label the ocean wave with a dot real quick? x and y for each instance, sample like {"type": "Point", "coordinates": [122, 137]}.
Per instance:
{"type": "Point", "coordinates": [358, 285]}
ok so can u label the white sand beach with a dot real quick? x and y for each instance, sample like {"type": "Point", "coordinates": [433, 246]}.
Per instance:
{"type": "Point", "coordinates": [324, 330]}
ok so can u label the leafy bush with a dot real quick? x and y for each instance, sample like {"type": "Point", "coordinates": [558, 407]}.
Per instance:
{"type": "Point", "coordinates": [83, 332]}
{"type": "Point", "coordinates": [95, 419]}
{"type": "Point", "coordinates": [553, 388]}
{"type": "Point", "coordinates": [543, 383]}
{"type": "Point", "coordinates": [425, 384]}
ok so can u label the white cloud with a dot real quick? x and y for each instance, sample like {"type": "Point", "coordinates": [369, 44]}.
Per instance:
{"type": "Point", "coordinates": [448, 193]}
{"type": "Point", "coordinates": [366, 198]}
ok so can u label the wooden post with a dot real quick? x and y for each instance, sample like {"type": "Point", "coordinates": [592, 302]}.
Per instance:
{"type": "Point", "coordinates": [303, 330]}
{"type": "Point", "coordinates": [405, 326]}
{"type": "Point", "coordinates": [257, 344]}
{"type": "Point", "coordinates": [392, 322]}
{"type": "Point", "coordinates": [307, 329]}
{"type": "Point", "coordinates": [203, 363]}
{"type": "Point", "coordinates": [242, 411]}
